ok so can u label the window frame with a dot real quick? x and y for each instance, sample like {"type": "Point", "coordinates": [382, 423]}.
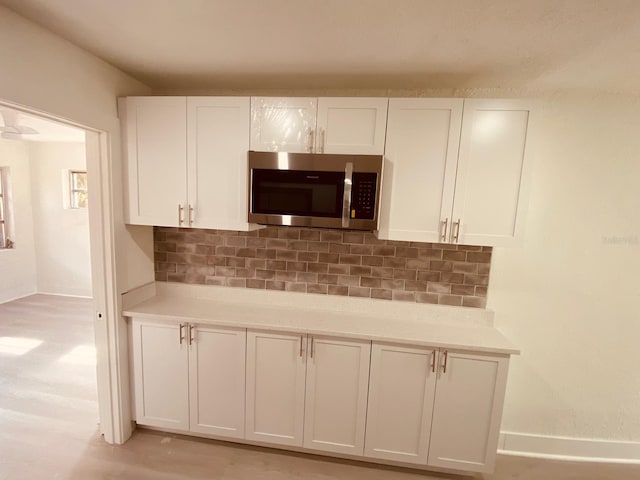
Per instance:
{"type": "Point", "coordinates": [5, 211]}
{"type": "Point", "coordinates": [72, 203]}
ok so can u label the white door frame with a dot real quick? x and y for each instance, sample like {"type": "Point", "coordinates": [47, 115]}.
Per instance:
{"type": "Point", "coordinates": [114, 425]}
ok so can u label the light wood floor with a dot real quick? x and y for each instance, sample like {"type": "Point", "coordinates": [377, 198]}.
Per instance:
{"type": "Point", "coordinates": [48, 421]}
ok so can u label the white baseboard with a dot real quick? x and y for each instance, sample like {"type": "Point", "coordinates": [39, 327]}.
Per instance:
{"type": "Point", "coordinates": [71, 295]}
{"type": "Point", "coordinates": [568, 448]}
{"type": "Point", "coordinates": [14, 294]}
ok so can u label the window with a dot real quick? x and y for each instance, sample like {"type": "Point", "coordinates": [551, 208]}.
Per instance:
{"type": "Point", "coordinates": [5, 240]}
{"type": "Point", "coordinates": [78, 189]}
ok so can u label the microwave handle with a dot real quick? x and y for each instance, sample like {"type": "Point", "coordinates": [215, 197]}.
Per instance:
{"type": "Point", "coordinates": [346, 206]}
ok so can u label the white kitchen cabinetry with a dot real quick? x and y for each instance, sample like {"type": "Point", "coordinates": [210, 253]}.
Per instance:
{"type": "Point", "coordinates": [161, 371]}
{"type": "Point", "coordinates": [401, 393]}
{"type": "Point", "coordinates": [281, 124]}
{"type": "Point", "coordinates": [155, 138]}
{"type": "Point", "coordinates": [318, 125]}
{"type": "Point", "coordinates": [217, 145]}
{"type": "Point", "coordinates": [187, 161]}
{"type": "Point", "coordinates": [490, 196]}
{"type": "Point", "coordinates": [189, 377]}
{"type": "Point", "coordinates": [437, 408]}
{"type": "Point", "coordinates": [351, 125]}
{"type": "Point", "coordinates": [307, 391]}
{"type": "Point", "coordinates": [385, 400]}
{"type": "Point", "coordinates": [275, 387]}
{"type": "Point", "coordinates": [467, 411]}
{"type": "Point", "coordinates": [336, 394]}
{"type": "Point", "coordinates": [421, 154]}
{"type": "Point", "coordinates": [435, 191]}
{"type": "Point", "coordinates": [217, 380]}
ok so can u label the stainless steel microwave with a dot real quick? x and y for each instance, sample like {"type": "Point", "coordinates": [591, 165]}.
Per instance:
{"type": "Point", "coordinates": [314, 189]}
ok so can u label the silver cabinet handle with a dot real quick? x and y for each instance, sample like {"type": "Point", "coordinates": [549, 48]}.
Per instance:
{"type": "Point", "coordinates": [444, 361]}
{"type": "Point", "coordinates": [443, 231]}
{"type": "Point", "coordinates": [301, 340]}
{"type": "Point", "coordinates": [180, 218]}
{"type": "Point", "coordinates": [457, 230]}
{"type": "Point", "coordinates": [322, 136]}
{"type": "Point", "coordinates": [433, 361]}
{"type": "Point", "coordinates": [312, 137]}
{"type": "Point", "coordinates": [311, 347]}
{"type": "Point", "coordinates": [190, 215]}
{"type": "Point", "coordinates": [181, 333]}
{"type": "Point", "coordinates": [191, 336]}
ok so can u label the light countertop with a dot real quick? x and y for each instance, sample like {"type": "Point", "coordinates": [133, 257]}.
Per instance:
{"type": "Point", "coordinates": [434, 326]}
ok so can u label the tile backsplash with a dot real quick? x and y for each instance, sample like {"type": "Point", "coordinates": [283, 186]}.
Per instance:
{"type": "Point", "coordinates": [333, 262]}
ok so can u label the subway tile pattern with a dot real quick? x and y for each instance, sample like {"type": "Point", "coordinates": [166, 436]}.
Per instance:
{"type": "Point", "coordinates": [327, 262]}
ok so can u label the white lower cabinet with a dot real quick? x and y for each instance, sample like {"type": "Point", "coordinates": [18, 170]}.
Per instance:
{"type": "Point", "coordinates": [336, 394]}
{"type": "Point", "coordinates": [437, 408]}
{"type": "Point", "coordinates": [399, 403]}
{"type": "Point", "coordinates": [189, 377]}
{"type": "Point", "coordinates": [467, 411]}
{"type": "Point", "coordinates": [275, 387]}
{"type": "Point", "coordinates": [401, 393]}
{"type": "Point", "coordinates": [216, 380]}
{"type": "Point", "coordinates": [307, 391]}
{"type": "Point", "coordinates": [161, 371]}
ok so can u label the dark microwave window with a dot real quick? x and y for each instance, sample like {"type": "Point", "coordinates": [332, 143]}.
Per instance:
{"type": "Point", "coordinates": [304, 193]}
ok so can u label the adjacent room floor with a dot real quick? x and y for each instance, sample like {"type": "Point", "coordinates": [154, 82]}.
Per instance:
{"type": "Point", "coordinates": [48, 421]}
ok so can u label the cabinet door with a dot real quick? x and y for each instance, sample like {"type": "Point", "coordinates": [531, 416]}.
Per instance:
{"type": "Point", "coordinates": [490, 197]}
{"type": "Point", "coordinates": [217, 380]}
{"type": "Point", "coordinates": [351, 125]}
{"type": "Point", "coordinates": [467, 411]}
{"type": "Point", "coordinates": [282, 124]}
{"type": "Point", "coordinates": [161, 372]}
{"type": "Point", "coordinates": [420, 168]}
{"type": "Point", "coordinates": [156, 146]}
{"type": "Point", "coordinates": [336, 395]}
{"type": "Point", "coordinates": [401, 392]}
{"type": "Point", "coordinates": [275, 387]}
{"type": "Point", "coordinates": [218, 141]}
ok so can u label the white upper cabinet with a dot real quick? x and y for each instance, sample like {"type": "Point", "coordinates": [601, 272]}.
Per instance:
{"type": "Point", "coordinates": [467, 411]}
{"type": "Point", "coordinates": [318, 125]}
{"type": "Point", "coordinates": [336, 394]}
{"type": "Point", "coordinates": [217, 145]}
{"type": "Point", "coordinates": [419, 177]}
{"type": "Point", "coordinates": [351, 125]}
{"type": "Point", "coordinates": [490, 197]}
{"type": "Point", "coordinates": [187, 161]}
{"type": "Point", "coordinates": [156, 147]}
{"type": "Point", "coordinates": [283, 124]}
{"type": "Point", "coordinates": [455, 172]}
{"type": "Point", "coordinates": [401, 393]}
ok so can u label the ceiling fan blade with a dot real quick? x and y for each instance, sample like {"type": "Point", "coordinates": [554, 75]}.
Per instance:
{"type": "Point", "coordinates": [26, 130]}
{"type": "Point", "coordinates": [11, 136]}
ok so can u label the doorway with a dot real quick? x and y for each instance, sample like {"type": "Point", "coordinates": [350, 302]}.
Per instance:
{"type": "Point", "coordinates": [104, 306]}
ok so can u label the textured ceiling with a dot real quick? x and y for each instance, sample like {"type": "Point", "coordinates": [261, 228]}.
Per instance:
{"type": "Point", "coordinates": [300, 44]}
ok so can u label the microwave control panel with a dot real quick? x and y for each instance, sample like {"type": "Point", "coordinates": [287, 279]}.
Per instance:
{"type": "Point", "coordinates": [363, 195]}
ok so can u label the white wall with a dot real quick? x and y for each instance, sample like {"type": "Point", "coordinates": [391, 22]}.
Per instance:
{"type": "Point", "coordinates": [17, 265]}
{"type": "Point", "coordinates": [570, 296]}
{"type": "Point", "coordinates": [62, 250]}
{"type": "Point", "coordinates": [52, 75]}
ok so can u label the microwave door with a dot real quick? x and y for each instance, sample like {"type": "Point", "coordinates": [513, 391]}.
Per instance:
{"type": "Point", "coordinates": [298, 194]}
